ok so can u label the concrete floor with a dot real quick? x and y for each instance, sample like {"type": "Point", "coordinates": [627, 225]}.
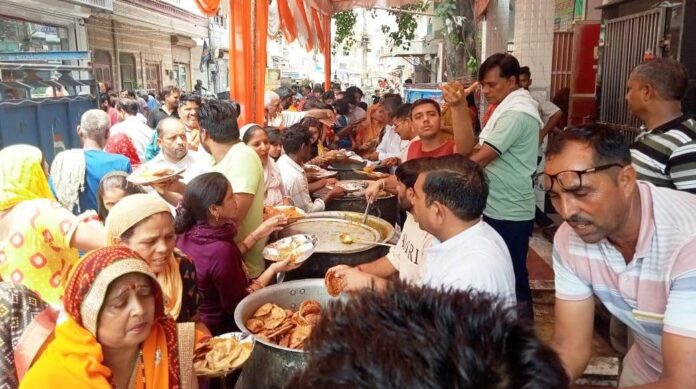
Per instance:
{"type": "Point", "coordinates": [604, 366]}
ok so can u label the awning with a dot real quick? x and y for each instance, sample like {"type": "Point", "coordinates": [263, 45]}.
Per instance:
{"type": "Point", "coordinates": [308, 21]}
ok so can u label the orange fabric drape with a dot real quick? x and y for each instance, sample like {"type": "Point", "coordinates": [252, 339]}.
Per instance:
{"type": "Point", "coordinates": [287, 23]}
{"type": "Point", "coordinates": [327, 52]}
{"type": "Point", "coordinates": [248, 57]}
{"type": "Point", "coordinates": [320, 33]}
{"type": "Point", "coordinates": [208, 7]}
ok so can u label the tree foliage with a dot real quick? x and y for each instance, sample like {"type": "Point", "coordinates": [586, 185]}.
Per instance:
{"type": "Point", "coordinates": [459, 33]}
{"type": "Point", "coordinates": [345, 21]}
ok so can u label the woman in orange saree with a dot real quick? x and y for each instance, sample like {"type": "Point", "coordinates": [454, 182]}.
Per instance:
{"type": "Point", "coordinates": [116, 333]}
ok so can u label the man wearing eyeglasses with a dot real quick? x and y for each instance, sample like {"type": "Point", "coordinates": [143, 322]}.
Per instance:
{"type": "Point", "coordinates": [631, 245]}
{"type": "Point", "coordinates": [665, 152]}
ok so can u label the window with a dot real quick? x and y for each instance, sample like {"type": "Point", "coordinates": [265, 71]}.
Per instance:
{"type": "Point", "coordinates": [152, 76]}
{"type": "Point", "coordinates": [20, 35]}
{"type": "Point", "coordinates": [128, 78]}
{"type": "Point", "coordinates": [181, 76]}
{"type": "Point", "coordinates": [102, 67]}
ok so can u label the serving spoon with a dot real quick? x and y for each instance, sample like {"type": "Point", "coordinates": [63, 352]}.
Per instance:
{"type": "Point", "coordinates": [348, 239]}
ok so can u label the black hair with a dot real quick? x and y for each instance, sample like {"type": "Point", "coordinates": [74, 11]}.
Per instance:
{"type": "Point", "coordinates": [250, 133]}
{"type": "Point", "coordinates": [455, 338]}
{"type": "Point", "coordinates": [284, 92]}
{"type": "Point", "coordinates": [202, 192]}
{"type": "Point", "coordinates": [274, 135]}
{"type": "Point", "coordinates": [525, 70]}
{"type": "Point", "coordinates": [328, 95]}
{"type": "Point", "coordinates": [114, 180]}
{"type": "Point", "coordinates": [457, 183]}
{"type": "Point", "coordinates": [318, 89]}
{"type": "Point", "coordinates": [314, 103]}
{"type": "Point", "coordinates": [167, 90]}
{"type": "Point", "coordinates": [608, 144]}
{"type": "Point", "coordinates": [307, 87]}
{"type": "Point", "coordinates": [128, 106]}
{"type": "Point", "coordinates": [391, 103]}
{"type": "Point", "coordinates": [363, 105]}
{"type": "Point", "coordinates": [189, 97]}
{"type": "Point", "coordinates": [294, 138]}
{"type": "Point", "coordinates": [408, 81]}
{"type": "Point", "coordinates": [352, 94]}
{"type": "Point", "coordinates": [423, 102]}
{"type": "Point", "coordinates": [110, 98]}
{"type": "Point", "coordinates": [404, 111]}
{"type": "Point", "coordinates": [341, 106]}
{"type": "Point", "coordinates": [219, 119]}
{"type": "Point", "coordinates": [407, 173]}
{"type": "Point", "coordinates": [507, 64]}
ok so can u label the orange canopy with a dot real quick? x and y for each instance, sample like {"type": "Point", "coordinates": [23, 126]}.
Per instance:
{"type": "Point", "coordinates": [308, 21]}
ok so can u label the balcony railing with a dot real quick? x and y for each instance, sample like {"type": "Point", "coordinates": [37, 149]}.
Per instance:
{"type": "Point", "coordinates": [107, 5]}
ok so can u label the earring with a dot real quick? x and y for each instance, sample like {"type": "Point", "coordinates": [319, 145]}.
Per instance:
{"type": "Point", "coordinates": [217, 218]}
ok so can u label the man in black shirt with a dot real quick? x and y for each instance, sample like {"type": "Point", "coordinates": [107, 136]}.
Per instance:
{"type": "Point", "coordinates": [170, 95]}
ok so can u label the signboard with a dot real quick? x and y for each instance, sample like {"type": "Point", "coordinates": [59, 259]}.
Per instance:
{"type": "Point", "coordinates": [43, 56]}
{"type": "Point", "coordinates": [272, 79]}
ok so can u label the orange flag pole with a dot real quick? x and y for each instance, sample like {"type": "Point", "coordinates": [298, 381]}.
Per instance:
{"type": "Point", "coordinates": [327, 51]}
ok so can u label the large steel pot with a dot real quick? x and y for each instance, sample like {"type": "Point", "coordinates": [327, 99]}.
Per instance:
{"type": "Point", "coordinates": [270, 365]}
{"type": "Point", "coordinates": [385, 207]}
{"type": "Point", "coordinates": [385, 229]}
{"type": "Point", "coordinates": [350, 174]}
{"type": "Point", "coordinates": [330, 251]}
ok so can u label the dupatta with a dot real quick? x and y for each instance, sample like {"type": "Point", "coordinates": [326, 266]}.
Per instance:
{"type": "Point", "coordinates": [75, 358]}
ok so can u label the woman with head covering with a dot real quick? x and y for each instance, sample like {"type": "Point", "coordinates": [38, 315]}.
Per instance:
{"type": "Point", "coordinates": [39, 239]}
{"type": "Point", "coordinates": [112, 188]}
{"type": "Point", "coordinates": [144, 223]}
{"type": "Point", "coordinates": [206, 232]}
{"type": "Point", "coordinates": [367, 138]}
{"type": "Point", "coordinates": [122, 144]}
{"type": "Point", "coordinates": [274, 192]}
{"type": "Point", "coordinates": [116, 334]}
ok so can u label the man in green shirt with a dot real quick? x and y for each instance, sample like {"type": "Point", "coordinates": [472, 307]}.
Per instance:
{"type": "Point", "coordinates": [507, 149]}
{"type": "Point", "coordinates": [242, 167]}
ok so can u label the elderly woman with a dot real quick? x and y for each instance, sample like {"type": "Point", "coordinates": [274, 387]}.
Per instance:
{"type": "Point", "coordinates": [116, 334]}
{"type": "Point", "coordinates": [112, 188]}
{"type": "Point", "coordinates": [206, 232]}
{"type": "Point", "coordinates": [39, 239]}
{"type": "Point", "coordinates": [274, 192]}
{"type": "Point", "coordinates": [144, 223]}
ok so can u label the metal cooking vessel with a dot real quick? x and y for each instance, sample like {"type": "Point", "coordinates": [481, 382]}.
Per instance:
{"type": "Point", "coordinates": [335, 252]}
{"type": "Point", "coordinates": [270, 365]}
{"type": "Point", "coordinates": [349, 174]}
{"type": "Point", "coordinates": [384, 207]}
{"type": "Point", "coordinates": [386, 230]}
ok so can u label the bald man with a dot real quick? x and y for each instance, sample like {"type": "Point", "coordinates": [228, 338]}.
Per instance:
{"type": "Point", "coordinates": [174, 153]}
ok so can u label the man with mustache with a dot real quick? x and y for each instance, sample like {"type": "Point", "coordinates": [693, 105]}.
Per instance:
{"type": "Point", "coordinates": [174, 154]}
{"type": "Point", "coordinates": [629, 244]}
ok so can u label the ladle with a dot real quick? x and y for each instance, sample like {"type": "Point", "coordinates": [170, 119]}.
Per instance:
{"type": "Point", "coordinates": [348, 239]}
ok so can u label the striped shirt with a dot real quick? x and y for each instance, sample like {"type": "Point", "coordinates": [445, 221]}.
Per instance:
{"type": "Point", "coordinates": [666, 156]}
{"type": "Point", "coordinates": [655, 291]}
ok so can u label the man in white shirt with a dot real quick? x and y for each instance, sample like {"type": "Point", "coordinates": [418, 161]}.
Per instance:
{"type": "Point", "coordinates": [448, 201]}
{"type": "Point", "coordinates": [174, 154]}
{"type": "Point", "coordinates": [402, 127]}
{"type": "Point", "coordinates": [129, 123]}
{"type": "Point", "coordinates": [277, 113]}
{"type": "Point", "coordinates": [296, 143]}
{"type": "Point", "coordinates": [391, 147]}
{"type": "Point", "coordinates": [407, 258]}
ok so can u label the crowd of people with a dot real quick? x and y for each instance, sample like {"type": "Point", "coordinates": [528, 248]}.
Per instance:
{"type": "Point", "coordinates": [106, 283]}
